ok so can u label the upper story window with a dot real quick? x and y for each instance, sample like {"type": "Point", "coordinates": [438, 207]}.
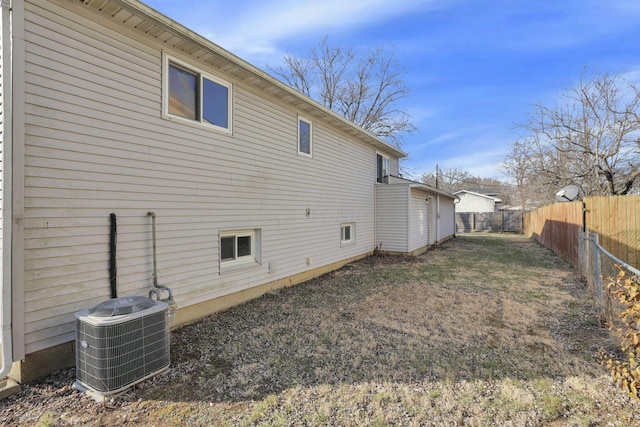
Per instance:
{"type": "Point", "coordinates": [304, 136]}
{"type": "Point", "coordinates": [196, 96]}
{"type": "Point", "coordinates": [382, 169]}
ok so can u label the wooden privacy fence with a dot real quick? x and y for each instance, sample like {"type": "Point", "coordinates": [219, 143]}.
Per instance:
{"type": "Point", "coordinates": [614, 218]}
{"type": "Point", "coordinates": [557, 227]}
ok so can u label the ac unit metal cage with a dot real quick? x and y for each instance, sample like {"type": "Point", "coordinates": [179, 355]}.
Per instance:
{"type": "Point", "coordinates": [120, 343]}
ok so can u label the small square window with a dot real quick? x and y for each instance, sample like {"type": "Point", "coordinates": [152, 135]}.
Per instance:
{"type": "Point", "coordinates": [347, 233]}
{"type": "Point", "coordinates": [236, 246]}
{"type": "Point", "coordinates": [304, 136]}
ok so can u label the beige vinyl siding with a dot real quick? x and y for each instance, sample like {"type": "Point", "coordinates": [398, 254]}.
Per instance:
{"type": "Point", "coordinates": [394, 169]}
{"type": "Point", "coordinates": [4, 34]}
{"type": "Point", "coordinates": [96, 144]}
{"type": "Point", "coordinates": [446, 227]}
{"type": "Point", "coordinates": [391, 217]}
{"type": "Point", "coordinates": [418, 221]}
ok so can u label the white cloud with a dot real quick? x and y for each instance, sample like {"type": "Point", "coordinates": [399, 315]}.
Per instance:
{"type": "Point", "coordinates": [449, 136]}
{"type": "Point", "coordinates": [258, 29]}
{"type": "Point", "coordinates": [479, 163]}
{"type": "Point", "coordinates": [632, 76]}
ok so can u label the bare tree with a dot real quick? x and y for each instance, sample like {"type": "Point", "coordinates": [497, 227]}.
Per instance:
{"type": "Point", "coordinates": [363, 87]}
{"type": "Point", "coordinates": [530, 189]}
{"type": "Point", "coordinates": [456, 179]}
{"type": "Point", "coordinates": [592, 140]}
{"type": "Point", "coordinates": [450, 180]}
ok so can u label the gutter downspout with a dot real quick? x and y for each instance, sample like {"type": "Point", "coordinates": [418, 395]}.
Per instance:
{"type": "Point", "coordinates": [6, 338]}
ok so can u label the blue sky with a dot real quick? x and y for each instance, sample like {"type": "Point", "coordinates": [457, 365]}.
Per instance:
{"type": "Point", "coordinates": [474, 67]}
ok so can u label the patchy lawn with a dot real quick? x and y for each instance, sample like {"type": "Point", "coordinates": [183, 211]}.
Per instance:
{"type": "Point", "coordinates": [484, 330]}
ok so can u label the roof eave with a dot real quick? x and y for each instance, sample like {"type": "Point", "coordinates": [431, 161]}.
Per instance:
{"type": "Point", "coordinates": [152, 22]}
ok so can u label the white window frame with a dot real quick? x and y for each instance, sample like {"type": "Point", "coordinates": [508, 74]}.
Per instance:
{"type": "Point", "coordinates": [385, 162]}
{"type": "Point", "coordinates": [237, 262]}
{"type": "Point", "coordinates": [168, 60]}
{"type": "Point", "coordinates": [300, 152]}
{"type": "Point", "coordinates": [352, 233]}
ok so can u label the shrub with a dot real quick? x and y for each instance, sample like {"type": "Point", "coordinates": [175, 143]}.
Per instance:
{"type": "Point", "coordinates": [626, 372]}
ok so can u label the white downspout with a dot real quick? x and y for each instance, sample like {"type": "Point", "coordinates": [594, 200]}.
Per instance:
{"type": "Point", "coordinates": [7, 120]}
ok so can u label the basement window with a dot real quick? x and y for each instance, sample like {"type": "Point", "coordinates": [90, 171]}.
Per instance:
{"type": "Point", "coordinates": [192, 95]}
{"type": "Point", "coordinates": [239, 248]}
{"type": "Point", "coordinates": [347, 234]}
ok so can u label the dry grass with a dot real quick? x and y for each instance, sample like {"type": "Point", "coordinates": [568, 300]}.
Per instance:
{"type": "Point", "coordinates": [485, 330]}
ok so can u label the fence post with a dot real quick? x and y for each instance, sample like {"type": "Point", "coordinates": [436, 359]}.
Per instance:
{"type": "Point", "coordinates": [597, 273]}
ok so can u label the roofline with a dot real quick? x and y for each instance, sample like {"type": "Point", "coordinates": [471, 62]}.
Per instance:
{"type": "Point", "coordinates": [148, 13]}
{"type": "Point", "coordinates": [479, 194]}
{"type": "Point", "coordinates": [420, 185]}
{"type": "Point", "coordinates": [433, 190]}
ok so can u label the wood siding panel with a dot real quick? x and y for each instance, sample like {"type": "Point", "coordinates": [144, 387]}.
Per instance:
{"type": "Point", "coordinates": [97, 144]}
{"type": "Point", "coordinates": [419, 220]}
{"type": "Point", "coordinates": [392, 217]}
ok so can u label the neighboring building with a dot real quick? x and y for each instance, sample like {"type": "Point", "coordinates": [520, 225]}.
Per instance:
{"type": "Point", "coordinates": [475, 202]}
{"type": "Point", "coordinates": [110, 107]}
{"type": "Point", "coordinates": [412, 216]}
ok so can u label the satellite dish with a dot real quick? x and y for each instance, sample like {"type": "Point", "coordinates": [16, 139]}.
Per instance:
{"type": "Point", "coordinates": [568, 193]}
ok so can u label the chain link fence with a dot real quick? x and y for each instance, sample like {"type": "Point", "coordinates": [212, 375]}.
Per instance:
{"type": "Point", "coordinates": [501, 221]}
{"type": "Point", "coordinates": [597, 266]}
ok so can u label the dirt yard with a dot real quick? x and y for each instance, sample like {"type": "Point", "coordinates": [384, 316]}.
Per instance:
{"type": "Point", "coordinates": [484, 330]}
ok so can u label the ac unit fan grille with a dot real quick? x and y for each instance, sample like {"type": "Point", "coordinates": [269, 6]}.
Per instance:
{"type": "Point", "coordinates": [110, 358]}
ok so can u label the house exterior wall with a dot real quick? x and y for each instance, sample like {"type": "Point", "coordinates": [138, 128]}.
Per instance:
{"type": "Point", "coordinates": [392, 216]}
{"type": "Point", "coordinates": [472, 203]}
{"type": "Point", "coordinates": [96, 144]}
{"type": "Point", "coordinates": [394, 166]}
{"type": "Point", "coordinates": [418, 220]}
{"type": "Point", "coordinates": [5, 38]}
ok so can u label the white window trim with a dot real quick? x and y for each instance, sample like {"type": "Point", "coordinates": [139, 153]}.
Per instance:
{"type": "Point", "coordinates": [388, 161]}
{"type": "Point", "coordinates": [244, 261]}
{"type": "Point", "coordinates": [166, 59]}
{"type": "Point", "coordinates": [352, 239]}
{"type": "Point", "coordinates": [302, 153]}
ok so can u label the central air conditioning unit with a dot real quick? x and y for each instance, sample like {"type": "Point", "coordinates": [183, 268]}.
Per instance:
{"type": "Point", "coordinates": [120, 343]}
